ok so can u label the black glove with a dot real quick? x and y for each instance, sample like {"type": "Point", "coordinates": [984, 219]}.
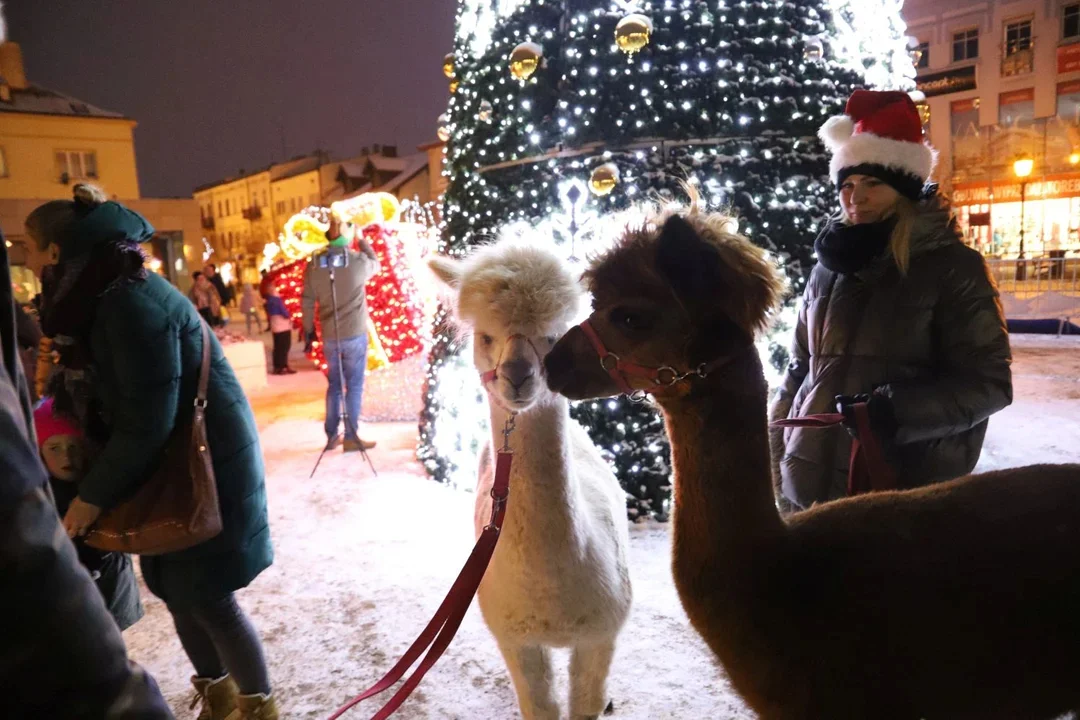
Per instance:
{"type": "Point", "coordinates": [878, 407]}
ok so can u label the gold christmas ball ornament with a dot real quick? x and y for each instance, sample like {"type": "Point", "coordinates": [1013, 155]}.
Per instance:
{"type": "Point", "coordinates": [633, 32]}
{"type": "Point", "coordinates": [448, 66]}
{"type": "Point", "coordinates": [443, 127]}
{"type": "Point", "coordinates": [604, 178]}
{"type": "Point", "coordinates": [525, 59]}
{"type": "Point", "coordinates": [453, 86]}
{"type": "Point", "coordinates": [486, 111]}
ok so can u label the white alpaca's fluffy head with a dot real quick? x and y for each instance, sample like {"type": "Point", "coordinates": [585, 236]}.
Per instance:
{"type": "Point", "coordinates": [508, 289]}
{"type": "Point", "coordinates": [514, 283]}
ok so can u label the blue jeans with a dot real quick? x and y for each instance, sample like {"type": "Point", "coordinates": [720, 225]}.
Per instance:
{"type": "Point", "coordinates": [354, 357]}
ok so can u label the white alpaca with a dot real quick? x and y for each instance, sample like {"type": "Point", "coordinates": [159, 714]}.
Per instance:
{"type": "Point", "coordinates": [559, 576]}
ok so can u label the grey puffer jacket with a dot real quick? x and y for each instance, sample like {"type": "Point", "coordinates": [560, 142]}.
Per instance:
{"type": "Point", "coordinates": [933, 341]}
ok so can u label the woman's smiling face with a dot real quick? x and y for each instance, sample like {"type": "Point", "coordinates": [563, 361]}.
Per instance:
{"type": "Point", "coordinates": [866, 199]}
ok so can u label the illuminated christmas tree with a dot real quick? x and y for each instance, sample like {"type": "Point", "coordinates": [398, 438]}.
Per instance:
{"type": "Point", "coordinates": [565, 111]}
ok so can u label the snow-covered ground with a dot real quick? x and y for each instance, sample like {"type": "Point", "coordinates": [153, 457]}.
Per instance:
{"type": "Point", "coordinates": [362, 562]}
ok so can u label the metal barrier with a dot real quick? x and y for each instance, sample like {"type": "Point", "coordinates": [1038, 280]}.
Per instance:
{"type": "Point", "coordinates": [1033, 276]}
{"type": "Point", "coordinates": [1043, 288]}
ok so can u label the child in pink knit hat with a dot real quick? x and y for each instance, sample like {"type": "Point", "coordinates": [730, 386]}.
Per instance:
{"type": "Point", "coordinates": [63, 450]}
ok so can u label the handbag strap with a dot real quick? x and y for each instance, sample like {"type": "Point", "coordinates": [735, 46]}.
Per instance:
{"type": "Point", "coordinates": [204, 371]}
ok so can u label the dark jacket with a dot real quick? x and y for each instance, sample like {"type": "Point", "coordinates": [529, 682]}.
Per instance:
{"type": "Point", "coordinates": [146, 346]}
{"type": "Point", "coordinates": [112, 572]}
{"type": "Point", "coordinates": [224, 292]}
{"type": "Point", "coordinates": [349, 290]}
{"type": "Point", "coordinates": [934, 342]}
{"type": "Point", "coordinates": [61, 654]}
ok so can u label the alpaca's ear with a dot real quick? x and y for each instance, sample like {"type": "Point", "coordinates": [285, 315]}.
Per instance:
{"type": "Point", "coordinates": [687, 262]}
{"type": "Point", "coordinates": [447, 270]}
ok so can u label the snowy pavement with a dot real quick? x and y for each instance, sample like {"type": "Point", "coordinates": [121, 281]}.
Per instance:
{"type": "Point", "coordinates": [362, 562]}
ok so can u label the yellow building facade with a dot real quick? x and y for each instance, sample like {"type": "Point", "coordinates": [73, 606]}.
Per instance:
{"type": "Point", "coordinates": [44, 155]}
{"type": "Point", "coordinates": [48, 143]}
{"type": "Point", "coordinates": [236, 219]}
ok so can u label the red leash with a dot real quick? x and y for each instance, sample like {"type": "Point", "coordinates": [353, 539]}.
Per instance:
{"type": "Point", "coordinates": [442, 628]}
{"type": "Point", "coordinates": [867, 469]}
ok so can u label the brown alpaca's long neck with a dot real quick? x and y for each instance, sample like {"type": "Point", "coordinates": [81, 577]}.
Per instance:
{"type": "Point", "coordinates": [725, 518]}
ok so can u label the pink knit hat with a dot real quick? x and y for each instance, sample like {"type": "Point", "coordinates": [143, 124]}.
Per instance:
{"type": "Point", "coordinates": [47, 423]}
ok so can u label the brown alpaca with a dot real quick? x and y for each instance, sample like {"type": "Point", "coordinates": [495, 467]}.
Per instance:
{"type": "Point", "coordinates": [956, 601]}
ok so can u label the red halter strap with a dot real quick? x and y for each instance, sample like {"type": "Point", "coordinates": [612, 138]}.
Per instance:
{"type": "Point", "coordinates": [493, 374]}
{"type": "Point", "coordinates": [661, 378]}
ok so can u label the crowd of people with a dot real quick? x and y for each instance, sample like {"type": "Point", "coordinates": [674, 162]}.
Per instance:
{"type": "Point", "coordinates": [898, 313]}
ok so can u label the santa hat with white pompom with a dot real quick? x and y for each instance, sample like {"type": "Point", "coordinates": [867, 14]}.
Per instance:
{"type": "Point", "coordinates": [880, 134]}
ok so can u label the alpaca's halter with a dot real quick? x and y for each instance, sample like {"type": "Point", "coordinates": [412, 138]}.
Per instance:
{"type": "Point", "coordinates": [493, 374]}
{"type": "Point", "coordinates": [661, 378]}
{"type": "Point", "coordinates": [436, 637]}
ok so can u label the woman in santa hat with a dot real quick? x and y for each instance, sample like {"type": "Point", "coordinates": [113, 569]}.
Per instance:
{"type": "Point", "coordinates": [898, 313]}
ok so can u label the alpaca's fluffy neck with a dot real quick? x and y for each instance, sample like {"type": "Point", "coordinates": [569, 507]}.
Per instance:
{"type": "Point", "coordinates": [725, 519]}
{"type": "Point", "coordinates": [543, 493]}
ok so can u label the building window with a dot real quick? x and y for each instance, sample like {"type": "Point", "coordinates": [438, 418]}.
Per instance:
{"type": "Point", "coordinates": [219, 213]}
{"type": "Point", "coordinates": [76, 165]}
{"type": "Point", "coordinates": [3, 163]}
{"type": "Point", "coordinates": [1017, 37]}
{"type": "Point", "coordinates": [1070, 29]}
{"type": "Point", "coordinates": [265, 203]}
{"type": "Point", "coordinates": [965, 45]}
{"type": "Point", "coordinates": [921, 56]}
{"type": "Point", "coordinates": [1068, 103]}
{"type": "Point", "coordinates": [1018, 56]}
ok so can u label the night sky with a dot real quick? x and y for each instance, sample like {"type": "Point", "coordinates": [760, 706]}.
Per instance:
{"type": "Point", "coordinates": [216, 85]}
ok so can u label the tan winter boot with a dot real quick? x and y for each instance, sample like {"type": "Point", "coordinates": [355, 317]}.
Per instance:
{"type": "Point", "coordinates": [255, 707]}
{"type": "Point", "coordinates": [218, 697]}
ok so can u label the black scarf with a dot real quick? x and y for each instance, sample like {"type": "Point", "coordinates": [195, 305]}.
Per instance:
{"type": "Point", "coordinates": [847, 249]}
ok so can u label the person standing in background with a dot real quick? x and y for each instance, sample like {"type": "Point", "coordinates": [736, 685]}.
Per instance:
{"type": "Point", "coordinates": [345, 336]}
{"type": "Point", "coordinates": [224, 291]}
{"type": "Point", "coordinates": [204, 296]}
{"type": "Point", "coordinates": [281, 327]}
{"type": "Point", "coordinates": [248, 307]}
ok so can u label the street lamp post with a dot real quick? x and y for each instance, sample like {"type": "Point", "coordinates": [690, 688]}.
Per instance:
{"type": "Point", "coordinates": [1022, 167]}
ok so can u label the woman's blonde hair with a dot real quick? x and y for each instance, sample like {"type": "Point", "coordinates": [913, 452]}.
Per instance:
{"type": "Point", "coordinates": [900, 239]}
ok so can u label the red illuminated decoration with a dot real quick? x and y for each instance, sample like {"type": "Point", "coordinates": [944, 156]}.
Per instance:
{"type": "Point", "coordinates": [394, 303]}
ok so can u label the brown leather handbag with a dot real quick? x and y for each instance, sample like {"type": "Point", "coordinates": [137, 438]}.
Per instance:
{"type": "Point", "coordinates": [177, 507]}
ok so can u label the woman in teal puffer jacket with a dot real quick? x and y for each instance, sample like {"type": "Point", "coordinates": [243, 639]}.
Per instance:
{"type": "Point", "coordinates": [131, 350]}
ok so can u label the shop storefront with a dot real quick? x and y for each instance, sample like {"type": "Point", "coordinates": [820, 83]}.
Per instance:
{"type": "Point", "coordinates": [1024, 171]}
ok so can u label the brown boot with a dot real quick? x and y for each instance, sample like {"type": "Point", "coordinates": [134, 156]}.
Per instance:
{"type": "Point", "coordinates": [255, 707]}
{"type": "Point", "coordinates": [218, 697]}
{"type": "Point", "coordinates": [353, 443]}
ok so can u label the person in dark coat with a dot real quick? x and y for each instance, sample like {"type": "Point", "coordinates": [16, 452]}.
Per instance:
{"type": "Point", "coordinates": [131, 348]}
{"type": "Point", "coordinates": [62, 655]}
{"type": "Point", "coordinates": [898, 312]}
{"type": "Point", "coordinates": [224, 291]}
